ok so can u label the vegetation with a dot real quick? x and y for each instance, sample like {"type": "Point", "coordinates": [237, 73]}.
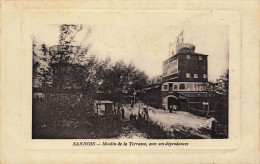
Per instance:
{"type": "Point", "coordinates": [66, 79]}
{"type": "Point", "coordinates": [220, 86]}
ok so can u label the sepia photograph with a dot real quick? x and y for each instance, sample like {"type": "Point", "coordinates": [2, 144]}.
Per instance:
{"type": "Point", "coordinates": [94, 82]}
{"type": "Point", "coordinates": [129, 82]}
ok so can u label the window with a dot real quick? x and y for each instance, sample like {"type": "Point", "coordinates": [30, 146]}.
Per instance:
{"type": "Point", "coordinates": [204, 76]}
{"type": "Point", "coordinates": [189, 87]}
{"type": "Point", "coordinates": [187, 75]}
{"type": "Point", "coordinates": [165, 87]}
{"type": "Point", "coordinates": [195, 76]}
{"type": "Point", "coordinates": [188, 56]}
{"type": "Point", "coordinates": [182, 86]}
{"type": "Point", "coordinates": [200, 57]}
{"type": "Point", "coordinates": [175, 87]}
{"type": "Point", "coordinates": [196, 87]}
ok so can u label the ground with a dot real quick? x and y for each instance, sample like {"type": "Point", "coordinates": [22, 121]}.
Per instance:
{"type": "Point", "coordinates": [160, 125]}
{"type": "Point", "coordinates": [177, 123]}
{"type": "Point", "coordinates": [130, 132]}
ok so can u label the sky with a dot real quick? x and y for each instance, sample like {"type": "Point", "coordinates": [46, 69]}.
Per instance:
{"type": "Point", "coordinates": [144, 37]}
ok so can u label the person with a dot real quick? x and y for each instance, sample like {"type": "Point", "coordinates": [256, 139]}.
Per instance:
{"type": "Point", "coordinates": [170, 108]}
{"type": "Point", "coordinates": [174, 107]}
{"type": "Point", "coordinates": [117, 109]}
{"type": "Point", "coordinates": [213, 128]}
{"type": "Point", "coordinates": [143, 114]}
{"type": "Point", "coordinates": [132, 104]}
{"type": "Point", "coordinates": [139, 115]}
{"type": "Point", "coordinates": [131, 117]}
{"type": "Point", "coordinates": [147, 114]}
{"type": "Point", "coordinates": [123, 113]}
{"type": "Point", "coordinates": [144, 107]}
{"type": "Point", "coordinates": [134, 118]}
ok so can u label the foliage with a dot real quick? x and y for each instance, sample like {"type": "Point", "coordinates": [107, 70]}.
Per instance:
{"type": "Point", "coordinates": [120, 79]}
{"type": "Point", "coordinates": [68, 73]}
{"type": "Point", "coordinates": [41, 66]}
{"type": "Point", "coordinates": [68, 33]}
{"type": "Point", "coordinates": [117, 79]}
{"type": "Point", "coordinates": [155, 80]}
{"type": "Point", "coordinates": [221, 85]}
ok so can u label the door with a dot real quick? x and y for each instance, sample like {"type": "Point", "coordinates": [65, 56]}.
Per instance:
{"type": "Point", "coordinates": [108, 109]}
{"type": "Point", "coordinates": [172, 101]}
{"type": "Point", "coordinates": [170, 87]}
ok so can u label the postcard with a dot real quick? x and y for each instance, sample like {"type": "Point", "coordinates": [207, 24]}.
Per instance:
{"type": "Point", "coordinates": [129, 82]}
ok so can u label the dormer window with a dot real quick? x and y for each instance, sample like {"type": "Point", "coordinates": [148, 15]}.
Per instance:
{"type": "Point", "coordinates": [188, 56]}
{"type": "Point", "coordinates": [200, 58]}
{"type": "Point", "coordinates": [187, 75]}
{"type": "Point", "coordinates": [195, 76]}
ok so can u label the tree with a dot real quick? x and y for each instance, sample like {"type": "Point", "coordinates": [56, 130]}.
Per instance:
{"type": "Point", "coordinates": [41, 66]}
{"type": "Point", "coordinates": [221, 85]}
{"type": "Point", "coordinates": [68, 33]}
{"type": "Point", "coordinates": [71, 65]}
{"type": "Point", "coordinates": [120, 79]}
{"type": "Point", "coordinates": [155, 80]}
{"type": "Point", "coordinates": [67, 68]}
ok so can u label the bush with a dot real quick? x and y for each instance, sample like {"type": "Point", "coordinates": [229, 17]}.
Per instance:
{"type": "Point", "coordinates": [57, 111]}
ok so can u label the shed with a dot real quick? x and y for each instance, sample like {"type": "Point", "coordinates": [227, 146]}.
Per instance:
{"type": "Point", "coordinates": [103, 107]}
{"type": "Point", "coordinates": [197, 101]}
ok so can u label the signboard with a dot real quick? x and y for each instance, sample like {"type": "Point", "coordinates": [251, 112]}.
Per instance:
{"type": "Point", "coordinates": [170, 68]}
{"type": "Point", "coordinates": [205, 103]}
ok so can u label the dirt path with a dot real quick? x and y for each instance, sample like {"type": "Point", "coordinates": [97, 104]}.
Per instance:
{"type": "Point", "coordinates": [163, 125]}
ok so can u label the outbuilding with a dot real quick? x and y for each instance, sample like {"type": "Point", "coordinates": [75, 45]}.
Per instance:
{"type": "Point", "coordinates": [103, 107]}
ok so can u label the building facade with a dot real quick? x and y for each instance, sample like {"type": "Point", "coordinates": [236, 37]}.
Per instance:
{"type": "Point", "coordinates": [184, 76]}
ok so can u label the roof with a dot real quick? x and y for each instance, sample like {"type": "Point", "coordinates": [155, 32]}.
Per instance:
{"type": "Point", "coordinates": [103, 102]}
{"type": "Point", "coordinates": [181, 53]}
{"type": "Point", "coordinates": [192, 53]}
{"type": "Point", "coordinates": [150, 87]}
{"type": "Point", "coordinates": [194, 94]}
{"type": "Point", "coordinates": [168, 79]}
